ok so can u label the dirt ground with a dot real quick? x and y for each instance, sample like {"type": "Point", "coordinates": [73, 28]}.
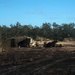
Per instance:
{"type": "Point", "coordinates": [33, 61]}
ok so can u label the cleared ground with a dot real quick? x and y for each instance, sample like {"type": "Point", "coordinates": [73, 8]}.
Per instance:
{"type": "Point", "coordinates": [39, 61]}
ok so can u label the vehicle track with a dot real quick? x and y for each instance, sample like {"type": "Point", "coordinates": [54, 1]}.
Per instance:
{"type": "Point", "coordinates": [33, 68]}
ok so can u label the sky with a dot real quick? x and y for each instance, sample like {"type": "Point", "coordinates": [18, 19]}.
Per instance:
{"type": "Point", "coordinates": [36, 12]}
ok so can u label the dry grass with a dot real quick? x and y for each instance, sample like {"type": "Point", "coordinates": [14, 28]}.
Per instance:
{"type": "Point", "coordinates": [67, 42]}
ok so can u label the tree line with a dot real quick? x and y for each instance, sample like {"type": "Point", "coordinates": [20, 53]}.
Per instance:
{"type": "Point", "coordinates": [46, 30]}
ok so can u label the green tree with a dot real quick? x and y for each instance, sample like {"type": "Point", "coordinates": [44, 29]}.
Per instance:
{"type": "Point", "coordinates": [56, 31]}
{"type": "Point", "coordinates": [46, 30]}
{"type": "Point", "coordinates": [68, 30]}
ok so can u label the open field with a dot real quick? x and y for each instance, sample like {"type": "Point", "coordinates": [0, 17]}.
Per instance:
{"type": "Point", "coordinates": [39, 60]}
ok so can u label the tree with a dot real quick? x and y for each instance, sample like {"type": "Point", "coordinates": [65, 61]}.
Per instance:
{"type": "Point", "coordinates": [56, 31]}
{"type": "Point", "coordinates": [68, 30]}
{"type": "Point", "coordinates": [46, 30]}
{"type": "Point", "coordinates": [35, 32]}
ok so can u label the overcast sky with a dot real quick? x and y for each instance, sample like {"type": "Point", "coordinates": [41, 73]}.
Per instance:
{"type": "Point", "coordinates": [36, 12]}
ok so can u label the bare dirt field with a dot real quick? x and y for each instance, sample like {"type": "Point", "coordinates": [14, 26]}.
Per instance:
{"type": "Point", "coordinates": [39, 61]}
